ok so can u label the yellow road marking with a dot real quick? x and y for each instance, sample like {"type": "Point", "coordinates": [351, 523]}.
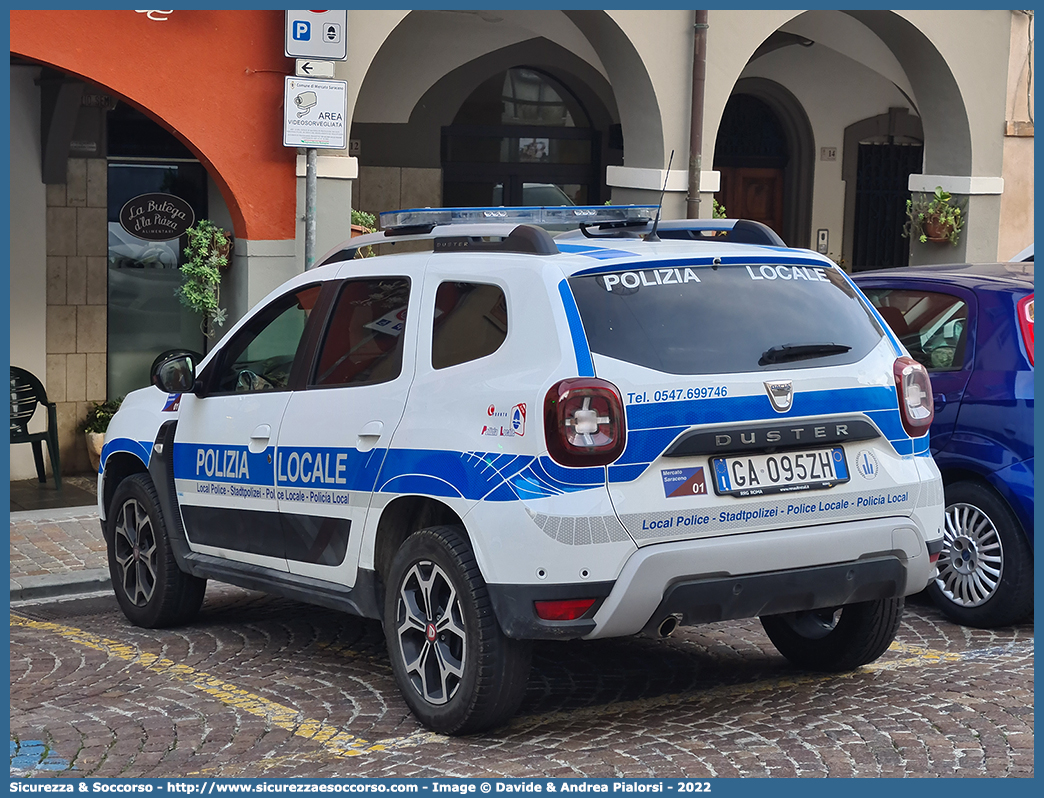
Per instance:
{"type": "Point", "coordinates": [333, 739]}
{"type": "Point", "coordinates": [341, 744]}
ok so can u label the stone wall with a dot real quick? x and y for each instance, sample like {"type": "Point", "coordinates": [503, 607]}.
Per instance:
{"type": "Point", "coordinates": [77, 297]}
{"type": "Point", "coordinates": [390, 188]}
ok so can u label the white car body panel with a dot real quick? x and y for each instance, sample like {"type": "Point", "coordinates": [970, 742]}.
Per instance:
{"type": "Point", "coordinates": [471, 437]}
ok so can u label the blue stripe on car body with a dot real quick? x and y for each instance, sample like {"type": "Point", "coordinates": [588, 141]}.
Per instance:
{"type": "Point", "coordinates": [584, 362]}
{"type": "Point", "coordinates": [140, 449]}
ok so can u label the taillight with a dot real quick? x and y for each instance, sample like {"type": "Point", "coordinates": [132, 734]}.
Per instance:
{"type": "Point", "coordinates": [1026, 324]}
{"type": "Point", "coordinates": [584, 422]}
{"type": "Point", "coordinates": [916, 404]}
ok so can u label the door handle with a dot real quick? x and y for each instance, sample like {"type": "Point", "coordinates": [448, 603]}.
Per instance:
{"type": "Point", "coordinates": [369, 435]}
{"type": "Point", "coordinates": [259, 438]}
{"type": "Point", "coordinates": [372, 430]}
{"type": "Point", "coordinates": [940, 400]}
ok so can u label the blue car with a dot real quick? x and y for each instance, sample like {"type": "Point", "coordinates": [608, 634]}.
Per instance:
{"type": "Point", "coordinates": [971, 326]}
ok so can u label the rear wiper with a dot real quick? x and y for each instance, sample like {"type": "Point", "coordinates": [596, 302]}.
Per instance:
{"type": "Point", "coordinates": [788, 352]}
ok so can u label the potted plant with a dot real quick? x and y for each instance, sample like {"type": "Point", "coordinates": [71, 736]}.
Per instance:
{"type": "Point", "coordinates": [206, 257]}
{"type": "Point", "coordinates": [363, 223]}
{"type": "Point", "coordinates": [934, 219]}
{"type": "Point", "coordinates": [95, 426]}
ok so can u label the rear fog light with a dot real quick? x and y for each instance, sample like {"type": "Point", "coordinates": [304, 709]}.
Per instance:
{"type": "Point", "coordinates": [563, 610]}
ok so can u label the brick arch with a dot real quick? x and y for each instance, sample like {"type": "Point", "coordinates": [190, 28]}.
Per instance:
{"type": "Point", "coordinates": [213, 78]}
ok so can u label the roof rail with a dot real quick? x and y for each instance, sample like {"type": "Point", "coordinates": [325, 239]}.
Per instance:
{"type": "Point", "coordinates": [523, 238]}
{"type": "Point", "coordinates": [733, 231]}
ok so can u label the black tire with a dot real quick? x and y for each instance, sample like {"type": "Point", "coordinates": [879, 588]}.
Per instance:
{"type": "Point", "coordinates": [836, 639]}
{"type": "Point", "coordinates": [985, 570]}
{"type": "Point", "coordinates": [150, 588]}
{"type": "Point", "coordinates": [454, 666]}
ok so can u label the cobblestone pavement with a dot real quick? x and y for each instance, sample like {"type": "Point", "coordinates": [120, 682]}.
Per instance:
{"type": "Point", "coordinates": [55, 541]}
{"type": "Point", "coordinates": [259, 686]}
{"type": "Point", "coordinates": [56, 551]}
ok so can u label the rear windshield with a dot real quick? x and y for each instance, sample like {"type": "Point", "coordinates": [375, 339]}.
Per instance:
{"type": "Point", "coordinates": [689, 319]}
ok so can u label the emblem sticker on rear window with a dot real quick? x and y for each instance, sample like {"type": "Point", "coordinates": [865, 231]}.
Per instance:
{"type": "Point", "coordinates": [684, 482]}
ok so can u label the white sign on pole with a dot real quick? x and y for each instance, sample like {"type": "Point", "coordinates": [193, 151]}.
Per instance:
{"type": "Point", "coordinates": [314, 113]}
{"type": "Point", "coordinates": [313, 68]}
{"type": "Point", "coordinates": [317, 34]}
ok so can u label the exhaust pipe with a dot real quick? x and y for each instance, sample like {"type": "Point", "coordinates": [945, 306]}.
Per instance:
{"type": "Point", "coordinates": [668, 625]}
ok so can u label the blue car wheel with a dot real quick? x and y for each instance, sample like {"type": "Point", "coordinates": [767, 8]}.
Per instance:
{"type": "Point", "coordinates": [985, 571]}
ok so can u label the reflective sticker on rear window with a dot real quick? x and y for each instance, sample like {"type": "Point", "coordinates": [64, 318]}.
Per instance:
{"type": "Point", "coordinates": [788, 273]}
{"type": "Point", "coordinates": [649, 277]}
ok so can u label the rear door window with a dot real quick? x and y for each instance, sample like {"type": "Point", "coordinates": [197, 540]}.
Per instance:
{"type": "Point", "coordinates": [683, 318]}
{"type": "Point", "coordinates": [470, 323]}
{"type": "Point", "coordinates": [363, 340]}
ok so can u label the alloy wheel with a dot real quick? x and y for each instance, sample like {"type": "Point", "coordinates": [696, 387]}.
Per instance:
{"type": "Point", "coordinates": [972, 560]}
{"type": "Point", "coordinates": [135, 552]}
{"type": "Point", "coordinates": [431, 632]}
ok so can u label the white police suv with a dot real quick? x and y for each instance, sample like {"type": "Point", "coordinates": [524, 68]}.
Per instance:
{"type": "Point", "coordinates": [512, 437]}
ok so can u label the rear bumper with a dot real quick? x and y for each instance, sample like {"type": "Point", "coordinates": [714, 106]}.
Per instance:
{"type": "Point", "coordinates": [707, 600]}
{"type": "Point", "coordinates": [740, 576]}
{"type": "Point", "coordinates": [766, 573]}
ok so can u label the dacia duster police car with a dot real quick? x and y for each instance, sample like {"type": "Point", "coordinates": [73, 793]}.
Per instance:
{"type": "Point", "coordinates": [512, 437]}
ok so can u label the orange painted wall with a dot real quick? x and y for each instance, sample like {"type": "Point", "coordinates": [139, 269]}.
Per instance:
{"type": "Point", "coordinates": [213, 78]}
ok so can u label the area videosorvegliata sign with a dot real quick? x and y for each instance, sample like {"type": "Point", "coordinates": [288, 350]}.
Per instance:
{"type": "Point", "coordinates": [157, 217]}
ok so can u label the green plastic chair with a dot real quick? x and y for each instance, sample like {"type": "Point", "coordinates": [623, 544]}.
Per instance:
{"type": "Point", "coordinates": [27, 392]}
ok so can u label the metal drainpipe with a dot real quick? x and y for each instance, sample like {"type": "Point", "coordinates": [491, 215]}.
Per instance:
{"type": "Point", "coordinates": [699, 80]}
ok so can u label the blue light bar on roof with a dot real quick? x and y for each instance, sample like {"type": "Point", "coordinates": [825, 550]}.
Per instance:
{"type": "Point", "coordinates": [539, 215]}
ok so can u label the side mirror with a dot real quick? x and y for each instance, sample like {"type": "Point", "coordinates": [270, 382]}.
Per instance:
{"type": "Point", "coordinates": [175, 373]}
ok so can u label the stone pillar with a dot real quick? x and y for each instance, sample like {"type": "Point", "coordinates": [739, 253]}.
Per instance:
{"type": "Point", "coordinates": [77, 301]}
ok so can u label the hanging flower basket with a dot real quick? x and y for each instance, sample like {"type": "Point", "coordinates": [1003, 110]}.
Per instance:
{"type": "Point", "coordinates": [934, 219]}
{"type": "Point", "coordinates": [936, 230]}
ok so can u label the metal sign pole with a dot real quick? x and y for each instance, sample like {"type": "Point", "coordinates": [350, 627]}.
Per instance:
{"type": "Point", "coordinates": [311, 189]}
{"type": "Point", "coordinates": [315, 39]}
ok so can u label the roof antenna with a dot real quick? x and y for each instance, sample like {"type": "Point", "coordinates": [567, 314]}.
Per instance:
{"type": "Point", "coordinates": [656, 222]}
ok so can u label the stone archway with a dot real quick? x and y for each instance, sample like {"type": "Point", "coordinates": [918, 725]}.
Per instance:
{"type": "Point", "coordinates": [401, 157]}
{"type": "Point", "coordinates": [254, 173]}
{"type": "Point", "coordinates": [944, 116]}
{"type": "Point", "coordinates": [438, 58]}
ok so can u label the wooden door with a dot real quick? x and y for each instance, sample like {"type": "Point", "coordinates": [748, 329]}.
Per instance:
{"type": "Point", "coordinates": [753, 193]}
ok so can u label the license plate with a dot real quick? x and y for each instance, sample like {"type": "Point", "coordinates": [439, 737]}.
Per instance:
{"type": "Point", "coordinates": [762, 474]}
